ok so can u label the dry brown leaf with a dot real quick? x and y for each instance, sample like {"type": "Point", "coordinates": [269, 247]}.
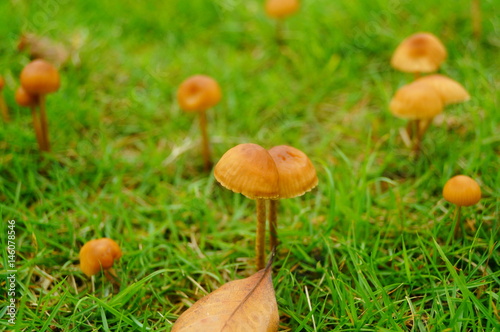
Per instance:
{"type": "Point", "coordinates": [247, 305]}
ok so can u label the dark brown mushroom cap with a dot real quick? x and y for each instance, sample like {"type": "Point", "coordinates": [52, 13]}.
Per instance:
{"type": "Point", "coordinates": [25, 99]}
{"type": "Point", "coordinates": [420, 53]}
{"type": "Point", "coordinates": [40, 77]}
{"type": "Point", "coordinates": [416, 101]}
{"type": "Point", "coordinates": [462, 190]}
{"type": "Point", "coordinates": [297, 174]}
{"type": "Point", "coordinates": [198, 93]}
{"type": "Point", "coordinates": [250, 170]}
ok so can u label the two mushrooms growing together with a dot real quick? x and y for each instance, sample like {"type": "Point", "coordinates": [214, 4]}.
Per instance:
{"type": "Point", "coordinates": [424, 98]}
{"type": "Point", "coordinates": [266, 175]}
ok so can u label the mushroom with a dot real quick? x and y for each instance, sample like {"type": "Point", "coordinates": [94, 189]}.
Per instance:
{"type": "Point", "coordinates": [461, 190]}
{"type": "Point", "coordinates": [24, 99]}
{"type": "Point", "coordinates": [40, 78]}
{"type": "Point", "coordinates": [279, 10]}
{"type": "Point", "coordinates": [99, 254]}
{"type": "Point", "coordinates": [197, 94]}
{"type": "Point", "coordinates": [418, 102]}
{"type": "Point", "coordinates": [420, 53]}
{"type": "Point", "coordinates": [297, 176]}
{"type": "Point", "coordinates": [450, 91]}
{"type": "Point", "coordinates": [3, 105]}
{"type": "Point", "coordinates": [250, 170]}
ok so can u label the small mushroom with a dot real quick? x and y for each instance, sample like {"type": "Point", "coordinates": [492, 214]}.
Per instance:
{"type": "Point", "coordinates": [280, 9]}
{"type": "Point", "coordinates": [461, 190]}
{"type": "Point", "coordinates": [250, 170]}
{"type": "Point", "coordinates": [418, 102]}
{"type": "Point", "coordinates": [40, 78]}
{"type": "Point", "coordinates": [99, 254]}
{"type": "Point", "coordinates": [24, 99]}
{"type": "Point", "coordinates": [450, 91]}
{"type": "Point", "coordinates": [3, 106]}
{"type": "Point", "coordinates": [297, 176]}
{"type": "Point", "coordinates": [197, 94]}
{"type": "Point", "coordinates": [420, 53]}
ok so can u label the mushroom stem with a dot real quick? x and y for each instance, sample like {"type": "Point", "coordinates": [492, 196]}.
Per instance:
{"type": "Point", "coordinates": [44, 122]}
{"type": "Point", "coordinates": [279, 32]}
{"type": "Point", "coordinates": [3, 109]}
{"type": "Point", "coordinates": [205, 144]}
{"type": "Point", "coordinates": [261, 233]}
{"type": "Point", "coordinates": [273, 223]}
{"type": "Point", "coordinates": [38, 129]}
{"type": "Point", "coordinates": [476, 18]}
{"type": "Point", "coordinates": [422, 127]}
{"type": "Point", "coordinates": [458, 224]}
{"type": "Point", "coordinates": [410, 128]}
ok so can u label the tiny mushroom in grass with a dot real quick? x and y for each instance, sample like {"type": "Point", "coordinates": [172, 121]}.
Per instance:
{"type": "Point", "coordinates": [99, 254]}
{"type": "Point", "coordinates": [297, 176]}
{"type": "Point", "coordinates": [24, 99]}
{"type": "Point", "coordinates": [197, 94]}
{"type": "Point", "coordinates": [461, 190]}
{"type": "Point", "coordinates": [3, 105]}
{"type": "Point", "coordinates": [250, 170]}
{"type": "Point", "coordinates": [419, 103]}
{"type": "Point", "coordinates": [281, 8]}
{"type": "Point", "coordinates": [420, 53]}
{"type": "Point", "coordinates": [40, 78]}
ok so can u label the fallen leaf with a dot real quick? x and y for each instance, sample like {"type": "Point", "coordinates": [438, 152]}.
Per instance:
{"type": "Point", "coordinates": [247, 305]}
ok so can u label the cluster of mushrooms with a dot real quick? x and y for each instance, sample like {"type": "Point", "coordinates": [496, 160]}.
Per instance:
{"type": "Point", "coordinates": [268, 175]}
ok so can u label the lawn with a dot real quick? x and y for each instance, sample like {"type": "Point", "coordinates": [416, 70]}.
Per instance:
{"type": "Point", "coordinates": [368, 250]}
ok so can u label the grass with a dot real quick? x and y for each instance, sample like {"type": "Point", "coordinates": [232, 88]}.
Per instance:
{"type": "Point", "coordinates": [367, 250]}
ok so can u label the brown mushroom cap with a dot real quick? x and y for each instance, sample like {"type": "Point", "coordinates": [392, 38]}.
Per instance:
{"type": "Point", "coordinates": [98, 254]}
{"type": "Point", "coordinates": [198, 93]}
{"type": "Point", "coordinates": [250, 170]}
{"type": "Point", "coordinates": [450, 91]}
{"type": "Point", "coordinates": [281, 8]}
{"type": "Point", "coordinates": [416, 101]}
{"type": "Point", "coordinates": [297, 174]}
{"type": "Point", "coordinates": [420, 53]}
{"type": "Point", "coordinates": [462, 190]}
{"type": "Point", "coordinates": [2, 83]}
{"type": "Point", "coordinates": [40, 77]}
{"type": "Point", "coordinates": [25, 99]}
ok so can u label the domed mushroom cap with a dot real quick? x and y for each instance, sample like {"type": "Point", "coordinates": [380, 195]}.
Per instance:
{"type": "Point", "coordinates": [281, 8]}
{"type": "Point", "coordinates": [420, 53]}
{"type": "Point", "coordinates": [297, 174]}
{"type": "Point", "coordinates": [450, 91]}
{"type": "Point", "coordinates": [98, 254]}
{"type": "Point", "coordinates": [198, 93]}
{"type": "Point", "coordinates": [461, 190]}
{"type": "Point", "coordinates": [24, 99]}
{"type": "Point", "coordinates": [2, 83]}
{"type": "Point", "coordinates": [40, 77]}
{"type": "Point", "coordinates": [250, 170]}
{"type": "Point", "coordinates": [416, 101]}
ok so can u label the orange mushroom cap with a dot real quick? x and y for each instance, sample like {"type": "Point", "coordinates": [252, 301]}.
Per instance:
{"type": "Point", "coordinates": [198, 93]}
{"type": "Point", "coordinates": [25, 99]}
{"type": "Point", "coordinates": [98, 254]}
{"type": "Point", "coordinates": [40, 77]}
{"type": "Point", "coordinates": [462, 190]}
{"type": "Point", "coordinates": [281, 8]}
{"type": "Point", "coordinates": [450, 91]}
{"type": "Point", "coordinates": [250, 170]}
{"type": "Point", "coordinates": [420, 53]}
{"type": "Point", "coordinates": [416, 101]}
{"type": "Point", "coordinates": [2, 82]}
{"type": "Point", "coordinates": [297, 174]}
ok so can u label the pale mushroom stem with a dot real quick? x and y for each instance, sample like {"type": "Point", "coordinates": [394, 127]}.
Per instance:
{"type": "Point", "coordinates": [476, 18]}
{"type": "Point", "coordinates": [458, 224]}
{"type": "Point", "coordinates": [422, 127]}
{"type": "Point", "coordinates": [411, 128]}
{"type": "Point", "coordinates": [207, 162]}
{"type": "Point", "coordinates": [3, 109]}
{"type": "Point", "coordinates": [44, 122]}
{"type": "Point", "coordinates": [261, 233]}
{"type": "Point", "coordinates": [273, 223]}
{"type": "Point", "coordinates": [38, 129]}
